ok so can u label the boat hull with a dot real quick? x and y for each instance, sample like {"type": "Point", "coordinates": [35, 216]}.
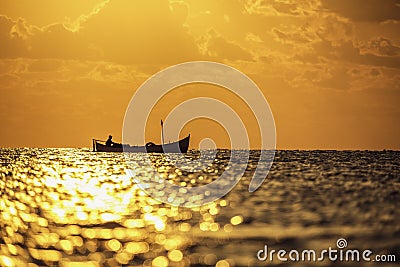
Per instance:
{"type": "Point", "coordinates": [180, 146]}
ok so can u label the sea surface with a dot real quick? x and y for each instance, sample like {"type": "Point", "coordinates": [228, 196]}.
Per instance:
{"type": "Point", "coordinates": [74, 207]}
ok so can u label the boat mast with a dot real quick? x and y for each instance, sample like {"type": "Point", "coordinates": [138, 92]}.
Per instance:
{"type": "Point", "coordinates": [162, 131]}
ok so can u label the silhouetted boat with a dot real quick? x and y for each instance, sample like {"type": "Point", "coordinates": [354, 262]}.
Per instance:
{"type": "Point", "coordinates": [180, 146]}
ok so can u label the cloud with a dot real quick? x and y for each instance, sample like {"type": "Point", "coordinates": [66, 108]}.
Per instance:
{"type": "Point", "coordinates": [259, 7]}
{"type": "Point", "coordinates": [381, 47]}
{"type": "Point", "coordinates": [352, 53]}
{"type": "Point", "coordinates": [251, 37]}
{"type": "Point", "coordinates": [120, 31]}
{"type": "Point", "coordinates": [45, 65]}
{"type": "Point", "coordinates": [338, 78]}
{"type": "Point", "coordinates": [281, 8]}
{"type": "Point", "coordinates": [19, 39]}
{"type": "Point", "coordinates": [75, 25]}
{"type": "Point", "coordinates": [180, 11]}
{"type": "Point", "coordinates": [295, 37]}
{"type": "Point", "coordinates": [56, 41]}
{"type": "Point", "coordinates": [286, 8]}
{"type": "Point", "coordinates": [331, 38]}
{"type": "Point", "coordinates": [376, 80]}
{"type": "Point", "coordinates": [9, 80]}
{"type": "Point", "coordinates": [216, 46]}
{"type": "Point", "coordinates": [13, 45]}
{"type": "Point", "coordinates": [54, 98]}
{"type": "Point", "coordinates": [83, 65]}
{"type": "Point", "coordinates": [46, 12]}
{"type": "Point", "coordinates": [365, 10]}
{"type": "Point", "coordinates": [139, 32]}
{"type": "Point", "coordinates": [345, 52]}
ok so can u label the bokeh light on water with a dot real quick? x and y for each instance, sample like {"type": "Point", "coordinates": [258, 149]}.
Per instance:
{"type": "Point", "coordinates": [72, 207]}
{"type": "Point", "coordinates": [76, 208]}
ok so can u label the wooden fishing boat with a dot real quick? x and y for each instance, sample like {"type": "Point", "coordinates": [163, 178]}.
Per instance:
{"type": "Point", "coordinates": [180, 146]}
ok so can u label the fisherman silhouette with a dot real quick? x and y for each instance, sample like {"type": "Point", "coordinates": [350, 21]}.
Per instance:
{"type": "Point", "coordinates": [109, 141]}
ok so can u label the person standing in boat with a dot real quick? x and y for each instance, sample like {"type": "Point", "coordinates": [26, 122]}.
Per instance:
{"type": "Point", "coordinates": [109, 141]}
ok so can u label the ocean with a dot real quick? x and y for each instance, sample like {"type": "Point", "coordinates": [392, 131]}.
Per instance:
{"type": "Point", "coordinates": [74, 207]}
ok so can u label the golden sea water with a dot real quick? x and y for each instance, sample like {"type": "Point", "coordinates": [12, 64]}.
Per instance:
{"type": "Point", "coordinates": [73, 207]}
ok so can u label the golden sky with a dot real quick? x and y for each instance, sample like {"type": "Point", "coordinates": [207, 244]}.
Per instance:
{"type": "Point", "coordinates": [328, 68]}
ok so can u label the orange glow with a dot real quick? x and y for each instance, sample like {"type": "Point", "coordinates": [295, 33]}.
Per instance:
{"type": "Point", "coordinates": [329, 70]}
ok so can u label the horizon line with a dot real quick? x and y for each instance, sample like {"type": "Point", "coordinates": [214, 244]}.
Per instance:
{"type": "Point", "coordinates": [223, 148]}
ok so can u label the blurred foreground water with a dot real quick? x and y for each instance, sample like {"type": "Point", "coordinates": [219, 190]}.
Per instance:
{"type": "Point", "coordinates": [73, 207]}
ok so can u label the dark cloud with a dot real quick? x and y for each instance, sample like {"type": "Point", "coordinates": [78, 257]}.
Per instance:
{"type": "Point", "coordinates": [335, 39]}
{"type": "Point", "coordinates": [365, 10]}
{"type": "Point", "coordinates": [324, 51]}
{"type": "Point", "coordinates": [348, 52]}
{"type": "Point", "coordinates": [383, 46]}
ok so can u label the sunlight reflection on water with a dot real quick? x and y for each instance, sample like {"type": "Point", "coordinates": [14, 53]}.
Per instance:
{"type": "Point", "coordinates": [67, 206]}
{"type": "Point", "coordinates": [72, 207]}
